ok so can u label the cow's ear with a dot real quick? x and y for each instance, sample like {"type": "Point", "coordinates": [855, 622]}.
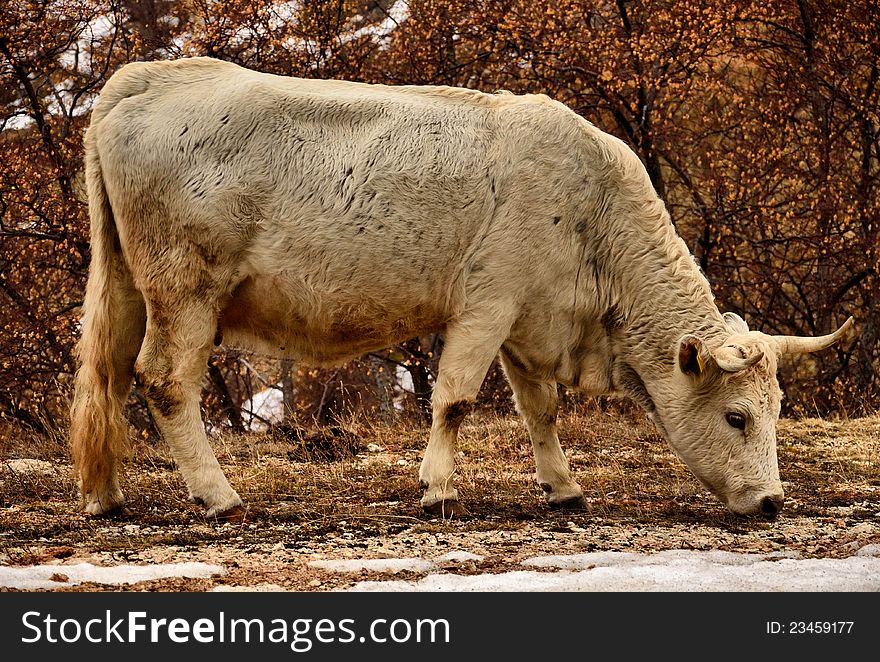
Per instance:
{"type": "Point", "coordinates": [690, 356]}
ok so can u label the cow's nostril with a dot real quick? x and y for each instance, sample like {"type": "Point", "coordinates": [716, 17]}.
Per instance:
{"type": "Point", "coordinates": [771, 506]}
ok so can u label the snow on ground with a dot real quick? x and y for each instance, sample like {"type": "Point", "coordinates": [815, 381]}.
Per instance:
{"type": "Point", "coordinates": [674, 570]}
{"type": "Point", "coordinates": [268, 404]}
{"type": "Point", "coordinates": [671, 570]}
{"type": "Point", "coordinates": [59, 575]}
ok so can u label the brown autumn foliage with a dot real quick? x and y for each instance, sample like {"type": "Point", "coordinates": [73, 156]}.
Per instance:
{"type": "Point", "coordinates": [759, 124]}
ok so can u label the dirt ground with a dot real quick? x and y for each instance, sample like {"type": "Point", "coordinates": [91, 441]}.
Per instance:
{"type": "Point", "coordinates": [356, 495]}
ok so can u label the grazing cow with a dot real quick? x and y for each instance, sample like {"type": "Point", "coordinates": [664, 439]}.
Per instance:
{"type": "Point", "coordinates": [321, 219]}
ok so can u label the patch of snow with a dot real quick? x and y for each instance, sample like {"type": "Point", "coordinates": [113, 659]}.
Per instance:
{"type": "Point", "coordinates": [403, 385]}
{"type": "Point", "coordinates": [20, 120]}
{"type": "Point", "coordinates": [672, 557]}
{"type": "Point", "coordinates": [673, 570]}
{"type": "Point", "coordinates": [869, 550]}
{"type": "Point", "coordinates": [268, 404]}
{"type": "Point", "coordinates": [40, 576]}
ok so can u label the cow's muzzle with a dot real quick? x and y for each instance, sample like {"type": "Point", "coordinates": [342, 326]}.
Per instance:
{"type": "Point", "coordinates": [772, 505]}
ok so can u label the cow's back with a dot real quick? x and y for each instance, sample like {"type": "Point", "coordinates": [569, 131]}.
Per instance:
{"type": "Point", "coordinates": [340, 213]}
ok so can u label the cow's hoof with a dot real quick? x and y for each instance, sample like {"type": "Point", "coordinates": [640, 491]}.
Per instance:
{"type": "Point", "coordinates": [116, 511]}
{"type": "Point", "coordinates": [235, 515]}
{"type": "Point", "coordinates": [447, 509]}
{"type": "Point", "coordinates": [572, 503]}
{"type": "Point", "coordinates": [105, 502]}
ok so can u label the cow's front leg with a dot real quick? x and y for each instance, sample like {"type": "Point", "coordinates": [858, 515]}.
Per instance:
{"type": "Point", "coordinates": [468, 351]}
{"type": "Point", "coordinates": [171, 366]}
{"type": "Point", "coordinates": [537, 401]}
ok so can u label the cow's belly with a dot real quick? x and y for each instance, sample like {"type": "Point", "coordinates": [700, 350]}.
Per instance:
{"type": "Point", "coordinates": [281, 316]}
{"type": "Point", "coordinates": [547, 344]}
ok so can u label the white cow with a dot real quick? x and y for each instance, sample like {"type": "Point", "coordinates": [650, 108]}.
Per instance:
{"type": "Point", "coordinates": [321, 219]}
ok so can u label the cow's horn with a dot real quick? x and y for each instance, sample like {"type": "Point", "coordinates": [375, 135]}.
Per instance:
{"type": "Point", "coordinates": [729, 359]}
{"type": "Point", "coordinates": [804, 345]}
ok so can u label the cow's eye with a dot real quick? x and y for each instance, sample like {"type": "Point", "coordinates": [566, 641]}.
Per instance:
{"type": "Point", "coordinates": [735, 420]}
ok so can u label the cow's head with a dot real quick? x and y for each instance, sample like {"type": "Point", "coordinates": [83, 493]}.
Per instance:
{"type": "Point", "coordinates": [720, 412]}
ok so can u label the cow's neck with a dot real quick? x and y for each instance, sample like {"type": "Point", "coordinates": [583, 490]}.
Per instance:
{"type": "Point", "coordinates": [657, 291]}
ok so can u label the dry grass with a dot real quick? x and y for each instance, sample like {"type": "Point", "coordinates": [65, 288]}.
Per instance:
{"type": "Point", "coordinates": [368, 500]}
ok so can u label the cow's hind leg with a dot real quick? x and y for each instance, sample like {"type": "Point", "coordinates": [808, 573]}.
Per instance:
{"type": "Point", "coordinates": [536, 401]}
{"type": "Point", "coordinates": [171, 367]}
{"type": "Point", "coordinates": [468, 351]}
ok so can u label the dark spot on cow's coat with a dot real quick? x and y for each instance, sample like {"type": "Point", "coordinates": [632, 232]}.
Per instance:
{"type": "Point", "coordinates": [581, 226]}
{"type": "Point", "coordinates": [224, 119]}
{"type": "Point", "coordinates": [185, 129]}
{"type": "Point", "coordinates": [207, 252]}
{"type": "Point", "coordinates": [547, 418]}
{"type": "Point", "coordinates": [456, 412]}
{"type": "Point", "coordinates": [361, 229]}
{"type": "Point", "coordinates": [160, 398]}
{"type": "Point", "coordinates": [556, 220]}
{"type": "Point", "coordinates": [611, 320]}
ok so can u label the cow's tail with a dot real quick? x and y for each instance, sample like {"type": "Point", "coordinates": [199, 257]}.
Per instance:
{"type": "Point", "coordinates": [112, 332]}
